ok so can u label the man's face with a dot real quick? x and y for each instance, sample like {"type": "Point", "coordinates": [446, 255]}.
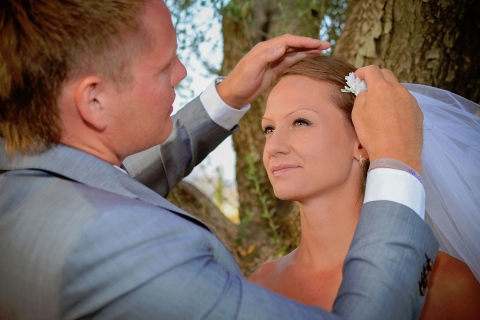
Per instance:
{"type": "Point", "coordinates": [140, 115]}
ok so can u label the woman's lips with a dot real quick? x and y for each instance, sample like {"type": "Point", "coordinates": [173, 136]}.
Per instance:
{"type": "Point", "coordinates": [282, 169]}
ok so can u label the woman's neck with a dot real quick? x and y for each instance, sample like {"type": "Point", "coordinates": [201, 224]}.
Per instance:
{"type": "Point", "coordinates": [328, 223]}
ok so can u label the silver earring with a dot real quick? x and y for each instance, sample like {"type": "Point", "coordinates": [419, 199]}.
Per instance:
{"type": "Point", "coordinates": [360, 161]}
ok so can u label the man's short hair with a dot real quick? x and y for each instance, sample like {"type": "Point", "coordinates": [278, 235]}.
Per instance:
{"type": "Point", "coordinates": [43, 44]}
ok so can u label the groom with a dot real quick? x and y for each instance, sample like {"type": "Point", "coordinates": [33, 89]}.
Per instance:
{"type": "Point", "coordinates": [86, 84]}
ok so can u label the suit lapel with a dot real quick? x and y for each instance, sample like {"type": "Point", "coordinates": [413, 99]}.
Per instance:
{"type": "Point", "coordinates": [148, 195]}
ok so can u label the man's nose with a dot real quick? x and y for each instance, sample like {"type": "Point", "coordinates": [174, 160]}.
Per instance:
{"type": "Point", "coordinates": [179, 72]}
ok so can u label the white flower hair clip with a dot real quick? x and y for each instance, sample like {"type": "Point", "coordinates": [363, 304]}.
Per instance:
{"type": "Point", "coordinates": [354, 85]}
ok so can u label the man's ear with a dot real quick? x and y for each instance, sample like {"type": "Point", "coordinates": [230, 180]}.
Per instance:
{"type": "Point", "coordinates": [88, 103]}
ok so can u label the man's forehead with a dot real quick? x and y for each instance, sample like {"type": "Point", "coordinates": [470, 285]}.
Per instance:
{"type": "Point", "coordinates": [157, 18]}
{"type": "Point", "coordinates": [160, 34]}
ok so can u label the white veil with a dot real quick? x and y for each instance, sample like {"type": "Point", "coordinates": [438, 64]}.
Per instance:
{"type": "Point", "coordinates": [451, 171]}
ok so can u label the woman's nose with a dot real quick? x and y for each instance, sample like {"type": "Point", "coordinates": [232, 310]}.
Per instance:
{"type": "Point", "coordinates": [277, 144]}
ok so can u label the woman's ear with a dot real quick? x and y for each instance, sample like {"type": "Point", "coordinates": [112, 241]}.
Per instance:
{"type": "Point", "coordinates": [89, 104]}
{"type": "Point", "coordinates": [362, 151]}
{"type": "Point", "coordinates": [359, 151]}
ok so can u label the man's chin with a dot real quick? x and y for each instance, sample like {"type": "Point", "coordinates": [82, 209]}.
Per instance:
{"type": "Point", "coordinates": [154, 138]}
{"type": "Point", "coordinates": [163, 136]}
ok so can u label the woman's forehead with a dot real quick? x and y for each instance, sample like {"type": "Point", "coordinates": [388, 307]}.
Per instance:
{"type": "Point", "coordinates": [295, 92]}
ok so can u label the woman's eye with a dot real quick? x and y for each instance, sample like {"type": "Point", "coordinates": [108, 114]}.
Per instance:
{"type": "Point", "coordinates": [301, 122]}
{"type": "Point", "coordinates": [268, 130]}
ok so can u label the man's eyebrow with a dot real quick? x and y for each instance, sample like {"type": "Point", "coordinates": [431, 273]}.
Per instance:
{"type": "Point", "coordinates": [166, 63]}
{"type": "Point", "coordinates": [174, 52]}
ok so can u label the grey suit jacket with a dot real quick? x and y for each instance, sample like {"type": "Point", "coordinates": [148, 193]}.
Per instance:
{"type": "Point", "coordinates": [80, 239]}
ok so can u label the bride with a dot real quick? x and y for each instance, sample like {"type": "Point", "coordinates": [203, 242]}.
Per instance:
{"type": "Point", "coordinates": [312, 155]}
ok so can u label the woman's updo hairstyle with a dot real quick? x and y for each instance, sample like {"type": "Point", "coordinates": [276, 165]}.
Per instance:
{"type": "Point", "coordinates": [332, 70]}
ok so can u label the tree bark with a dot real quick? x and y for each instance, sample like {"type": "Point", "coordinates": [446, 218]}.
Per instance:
{"type": "Point", "coordinates": [428, 42]}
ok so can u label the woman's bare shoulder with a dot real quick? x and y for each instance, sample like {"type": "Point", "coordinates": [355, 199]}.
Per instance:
{"type": "Point", "coordinates": [453, 290]}
{"type": "Point", "coordinates": [263, 271]}
{"type": "Point", "coordinates": [269, 271]}
{"type": "Point", "coordinates": [455, 276]}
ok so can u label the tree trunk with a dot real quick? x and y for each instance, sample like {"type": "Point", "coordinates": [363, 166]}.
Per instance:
{"type": "Point", "coordinates": [428, 42]}
{"type": "Point", "coordinates": [265, 233]}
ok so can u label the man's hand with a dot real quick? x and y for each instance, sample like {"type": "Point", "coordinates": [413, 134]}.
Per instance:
{"type": "Point", "coordinates": [255, 72]}
{"type": "Point", "coordinates": [387, 118]}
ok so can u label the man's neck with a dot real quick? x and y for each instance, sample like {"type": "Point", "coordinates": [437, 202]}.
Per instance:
{"type": "Point", "coordinates": [93, 147]}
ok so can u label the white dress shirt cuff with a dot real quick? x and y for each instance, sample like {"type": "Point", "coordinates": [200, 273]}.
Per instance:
{"type": "Point", "coordinates": [221, 113]}
{"type": "Point", "coordinates": [397, 186]}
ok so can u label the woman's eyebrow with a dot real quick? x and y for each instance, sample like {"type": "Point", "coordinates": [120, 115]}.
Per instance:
{"type": "Point", "coordinates": [291, 112]}
{"type": "Point", "coordinates": [301, 109]}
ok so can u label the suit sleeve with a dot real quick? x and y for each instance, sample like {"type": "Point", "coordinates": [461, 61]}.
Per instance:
{"type": "Point", "coordinates": [156, 265]}
{"type": "Point", "coordinates": [193, 137]}
{"type": "Point", "coordinates": [384, 265]}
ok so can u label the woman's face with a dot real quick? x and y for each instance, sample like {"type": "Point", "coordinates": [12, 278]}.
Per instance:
{"type": "Point", "coordinates": [310, 147]}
